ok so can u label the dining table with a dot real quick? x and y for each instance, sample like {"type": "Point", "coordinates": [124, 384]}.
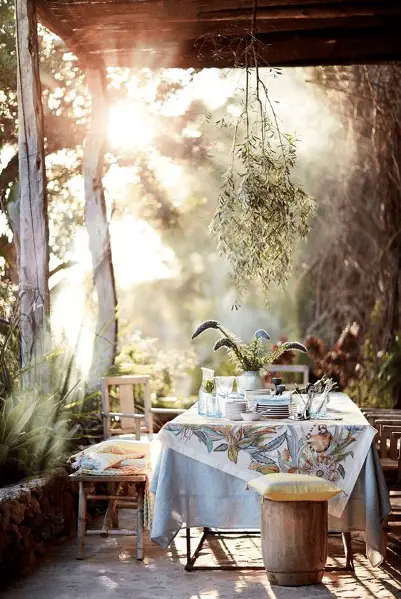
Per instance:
{"type": "Point", "coordinates": [204, 465]}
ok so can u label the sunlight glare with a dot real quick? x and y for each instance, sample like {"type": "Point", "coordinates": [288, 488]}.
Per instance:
{"type": "Point", "coordinates": [129, 127]}
{"type": "Point", "coordinates": [71, 320]}
{"type": "Point", "coordinates": [4, 227]}
{"type": "Point", "coordinates": [8, 150]}
{"type": "Point", "coordinates": [139, 254]}
{"type": "Point", "coordinates": [213, 87]}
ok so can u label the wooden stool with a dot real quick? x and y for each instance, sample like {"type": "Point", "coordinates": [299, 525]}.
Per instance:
{"type": "Point", "coordinates": [294, 541]}
{"type": "Point", "coordinates": [115, 484]}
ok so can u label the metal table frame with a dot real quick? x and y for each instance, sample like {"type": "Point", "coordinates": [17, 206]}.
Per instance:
{"type": "Point", "coordinates": [213, 532]}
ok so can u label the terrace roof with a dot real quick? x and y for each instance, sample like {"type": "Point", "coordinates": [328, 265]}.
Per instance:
{"type": "Point", "coordinates": [213, 33]}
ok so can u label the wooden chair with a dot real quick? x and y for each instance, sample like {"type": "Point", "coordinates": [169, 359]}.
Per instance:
{"type": "Point", "coordinates": [131, 421]}
{"type": "Point", "coordinates": [116, 485]}
{"type": "Point", "coordinates": [387, 422]}
{"type": "Point", "coordinates": [302, 369]}
{"type": "Point", "coordinates": [389, 447]}
{"type": "Point", "coordinates": [379, 417]}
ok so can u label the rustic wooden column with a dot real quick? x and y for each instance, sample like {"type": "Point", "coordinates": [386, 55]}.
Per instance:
{"type": "Point", "coordinates": [34, 246]}
{"type": "Point", "coordinates": [98, 228]}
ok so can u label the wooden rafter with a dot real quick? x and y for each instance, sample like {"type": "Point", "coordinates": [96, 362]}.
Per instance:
{"type": "Point", "coordinates": [171, 32]}
{"type": "Point", "coordinates": [49, 20]}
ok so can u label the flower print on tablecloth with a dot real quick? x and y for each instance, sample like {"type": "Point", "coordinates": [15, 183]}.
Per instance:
{"type": "Point", "coordinates": [226, 440]}
{"type": "Point", "coordinates": [315, 449]}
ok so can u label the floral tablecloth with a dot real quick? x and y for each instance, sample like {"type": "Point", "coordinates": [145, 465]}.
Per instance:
{"type": "Point", "coordinates": [333, 449]}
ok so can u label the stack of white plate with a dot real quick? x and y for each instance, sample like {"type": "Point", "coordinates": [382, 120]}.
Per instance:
{"type": "Point", "coordinates": [233, 409]}
{"type": "Point", "coordinates": [274, 407]}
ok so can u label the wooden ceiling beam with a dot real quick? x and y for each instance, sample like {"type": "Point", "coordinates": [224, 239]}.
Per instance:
{"type": "Point", "coordinates": [134, 39]}
{"type": "Point", "coordinates": [300, 51]}
{"type": "Point", "coordinates": [353, 9]}
{"type": "Point", "coordinates": [171, 4]}
{"type": "Point", "coordinates": [139, 32]}
{"type": "Point", "coordinates": [318, 58]}
{"type": "Point", "coordinates": [48, 19]}
{"type": "Point", "coordinates": [194, 13]}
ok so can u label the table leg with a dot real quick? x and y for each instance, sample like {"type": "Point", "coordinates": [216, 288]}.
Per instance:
{"type": "Point", "coordinates": [349, 558]}
{"type": "Point", "coordinates": [191, 559]}
{"type": "Point", "coordinates": [81, 521]}
{"type": "Point", "coordinates": [188, 540]}
{"type": "Point", "coordinates": [139, 537]}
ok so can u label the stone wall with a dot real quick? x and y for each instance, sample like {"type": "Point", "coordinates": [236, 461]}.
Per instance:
{"type": "Point", "coordinates": [33, 514]}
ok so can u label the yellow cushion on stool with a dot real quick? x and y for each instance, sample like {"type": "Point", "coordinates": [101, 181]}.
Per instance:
{"type": "Point", "coordinates": [294, 487]}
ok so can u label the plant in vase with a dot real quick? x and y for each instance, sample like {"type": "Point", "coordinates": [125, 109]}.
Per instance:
{"type": "Point", "coordinates": [249, 358]}
{"type": "Point", "coordinates": [208, 385]}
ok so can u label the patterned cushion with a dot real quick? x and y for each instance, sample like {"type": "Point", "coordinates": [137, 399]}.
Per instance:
{"type": "Point", "coordinates": [101, 462]}
{"type": "Point", "coordinates": [294, 487]}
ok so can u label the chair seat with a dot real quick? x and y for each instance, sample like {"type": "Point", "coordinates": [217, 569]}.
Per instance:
{"type": "Point", "coordinates": [389, 464]}
{"type": "Point", "coordinates": [145, 438]}
{"type": "Point", "coordinates": [174, 411]}
{"type": "Point", "coordinates": [110, 478]}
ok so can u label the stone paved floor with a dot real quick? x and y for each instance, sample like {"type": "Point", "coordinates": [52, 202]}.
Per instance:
{"type": "Point", "coordinates": [110, 571]}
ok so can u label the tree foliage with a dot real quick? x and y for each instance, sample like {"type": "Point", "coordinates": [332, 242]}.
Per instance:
{"type": "Point", "coordinates": [353, 261]}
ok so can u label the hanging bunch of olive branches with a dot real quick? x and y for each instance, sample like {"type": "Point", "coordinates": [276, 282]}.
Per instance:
{"type": "Point", "coordinates": [261, 213]}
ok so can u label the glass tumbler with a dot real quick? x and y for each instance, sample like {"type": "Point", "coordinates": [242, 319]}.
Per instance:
{"type": "Point", "coordinates": [224, 386]}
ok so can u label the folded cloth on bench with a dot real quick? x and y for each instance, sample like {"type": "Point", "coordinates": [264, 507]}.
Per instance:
{"type": "Point", "coordinates": [116, 446]}
{"type": "Point", "coordinates": [115, 458]}
{"type": "Point", "coordinates": [99, 463]}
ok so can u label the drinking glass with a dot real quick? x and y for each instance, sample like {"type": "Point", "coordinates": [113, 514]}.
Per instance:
{"type": "Point", "coordinates": [224, 386]}
{"type": "Point", "coordinates": [321, 402]}
{"type": "Point", "coordinates": [319, 406]}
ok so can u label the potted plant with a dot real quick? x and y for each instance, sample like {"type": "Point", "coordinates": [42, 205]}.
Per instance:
{"type": "Point", "coordinates": [249, 358]}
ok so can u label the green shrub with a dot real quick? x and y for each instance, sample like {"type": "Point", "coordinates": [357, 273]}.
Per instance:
{"type": "Point", "coordinates": [33, 434]}
{"type": "Point", "coordinates": [9, 340]}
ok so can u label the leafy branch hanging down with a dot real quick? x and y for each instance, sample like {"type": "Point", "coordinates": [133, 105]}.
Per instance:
{"type": "Point", "coordinates": [248, 356]}
{"type": "Point", "coordinates": [261, 213]}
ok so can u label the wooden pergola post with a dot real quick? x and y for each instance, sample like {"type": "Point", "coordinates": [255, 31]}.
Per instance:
{"type": "Point", "coordinates": [34, 241]}
{"type": "Point", "coordinates": [98, 228]}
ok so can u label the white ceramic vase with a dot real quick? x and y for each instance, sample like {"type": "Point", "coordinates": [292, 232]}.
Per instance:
{"type": "Point", "coordinates": [251, 380]}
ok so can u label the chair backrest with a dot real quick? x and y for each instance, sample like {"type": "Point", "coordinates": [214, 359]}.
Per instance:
{"type": "Point", "coordinates": [389, 445]}
{"type": "Point", "coordinates": [302, 369]}
{"type": "Point", "coordinates": [130, 418]}
{"type": "Point", "coordinates": [372, 415]}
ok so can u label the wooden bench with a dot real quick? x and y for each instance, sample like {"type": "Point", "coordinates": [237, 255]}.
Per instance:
{"type": "Point", "coordinates": [115, 485]}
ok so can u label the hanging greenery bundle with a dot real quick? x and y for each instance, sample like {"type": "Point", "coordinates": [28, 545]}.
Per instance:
{"type": "Point", "coordinates": [261, 213]}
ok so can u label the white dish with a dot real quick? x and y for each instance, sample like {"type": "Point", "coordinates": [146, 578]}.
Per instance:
{"type": "Point", "coordinates": [250, 416]}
